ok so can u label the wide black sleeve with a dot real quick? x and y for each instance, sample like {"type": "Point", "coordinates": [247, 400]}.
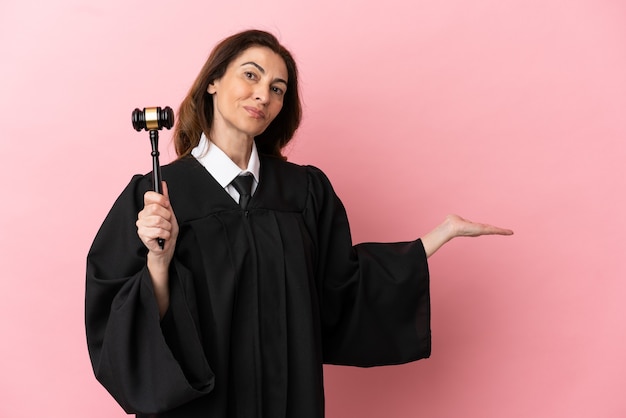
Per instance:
{"type": "Point", "coordinates": [146, 364]}
{"type": "Point", "coordinates": [374, 297]}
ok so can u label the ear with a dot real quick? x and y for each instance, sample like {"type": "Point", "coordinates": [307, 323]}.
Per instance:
{"type": "Point", "coordinates": [211, 89]}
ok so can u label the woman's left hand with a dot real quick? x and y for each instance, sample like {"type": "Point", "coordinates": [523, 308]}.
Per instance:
{"type": "Point", "coordinates": [460, 227]}
{"type": "Point", "coordinates": [455, 226]}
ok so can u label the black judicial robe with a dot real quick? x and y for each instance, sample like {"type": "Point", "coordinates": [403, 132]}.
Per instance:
{"type": "Point", "coordinates": [259, 299]}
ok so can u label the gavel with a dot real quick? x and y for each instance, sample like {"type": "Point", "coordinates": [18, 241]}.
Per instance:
{"type": "Point", "coordinates": [153, 119]}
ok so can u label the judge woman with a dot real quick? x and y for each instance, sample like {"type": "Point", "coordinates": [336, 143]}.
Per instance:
{"type": "Point", "coordinates": [258, 283]}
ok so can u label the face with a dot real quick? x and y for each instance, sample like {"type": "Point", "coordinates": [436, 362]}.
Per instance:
{"type": "Point", "coordinates": [249, 95]}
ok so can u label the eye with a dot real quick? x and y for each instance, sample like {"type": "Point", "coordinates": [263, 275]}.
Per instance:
{"type": "Point", "coordinates": [250, 75]}
{"type": "Point", "coordinates": [278, 90]}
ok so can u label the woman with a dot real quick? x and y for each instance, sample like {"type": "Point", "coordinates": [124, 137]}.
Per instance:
{"type": "Point", "coordinates": [253, 290]}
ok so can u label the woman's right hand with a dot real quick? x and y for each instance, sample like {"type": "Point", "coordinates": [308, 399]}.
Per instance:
{"type": "Point", "coordinates": [157, 220]}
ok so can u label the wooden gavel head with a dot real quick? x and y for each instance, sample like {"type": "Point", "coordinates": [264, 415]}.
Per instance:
{"type": "Point", "coordinates": [153, 118]}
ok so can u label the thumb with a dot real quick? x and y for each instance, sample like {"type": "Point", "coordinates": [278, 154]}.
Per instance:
{"type": "Point", "coordinates": [165, 190]}
{"type": "Point", "coordinates": [166, 193]}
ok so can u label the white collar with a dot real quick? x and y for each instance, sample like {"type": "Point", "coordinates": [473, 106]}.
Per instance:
{"type": "Point", "coordinates": [220, 166]}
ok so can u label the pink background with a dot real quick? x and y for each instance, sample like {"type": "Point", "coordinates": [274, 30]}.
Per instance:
{"type": "Point", "coordinates": [509, 112]}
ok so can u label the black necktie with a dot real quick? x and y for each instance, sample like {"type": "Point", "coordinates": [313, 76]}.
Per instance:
{"type": "Point", "coordinates": [243, 184]}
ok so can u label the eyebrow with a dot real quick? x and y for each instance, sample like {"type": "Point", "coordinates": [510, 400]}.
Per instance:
{"type": "Point", "coordinates": [262, 70]}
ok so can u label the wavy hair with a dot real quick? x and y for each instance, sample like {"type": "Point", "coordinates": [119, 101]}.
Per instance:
{"type": "Point", "coordinates": [195, 114]}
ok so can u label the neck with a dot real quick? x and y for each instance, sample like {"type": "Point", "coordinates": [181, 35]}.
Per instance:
{"type": "Point", "coordinates": [238, 149]}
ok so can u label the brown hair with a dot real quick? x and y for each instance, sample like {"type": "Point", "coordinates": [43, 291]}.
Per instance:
{"type": "Point", "coordinates": [195, 114]}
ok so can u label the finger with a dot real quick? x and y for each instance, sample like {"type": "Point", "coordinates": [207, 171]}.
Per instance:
{"type": "Point", "coordinates": [486, 229]}
{"type": "Point", "coordinates": [149, 232]}
{"type": "Point", "coordinates": [154, 220]}
{"type": "Point", "coordinates": [498, 230]}
{"type": "Point", "coordinates": [151, 197]}
{"type": "Point", "coordinates": [153, 212]}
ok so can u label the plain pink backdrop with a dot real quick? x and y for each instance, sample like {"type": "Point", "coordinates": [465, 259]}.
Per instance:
{"type": "Point", "coordinates": [509, 112]}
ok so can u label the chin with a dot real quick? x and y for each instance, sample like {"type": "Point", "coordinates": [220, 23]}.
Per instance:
{"type": "Point", "coordinates": [256, 132]}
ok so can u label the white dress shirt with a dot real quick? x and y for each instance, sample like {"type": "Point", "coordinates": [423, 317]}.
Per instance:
{"type": "Point", "coordinates": [223, 169]}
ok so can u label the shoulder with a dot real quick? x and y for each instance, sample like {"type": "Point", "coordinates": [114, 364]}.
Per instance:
{"type": "Point", "coordinates": [307, 185]}
{"type": "Point", "coordinates": [181, 168]}
{"type": "Point", "coordinates": [175, 173]}
{"type": "Point", "coordinates": [132, 195]}
{"type": "Point", "coordinates": [293, 176]}
{"type": "Point", "coordinates": [292, 172]}
{"type": "Point", "coordinates": [276, 164]}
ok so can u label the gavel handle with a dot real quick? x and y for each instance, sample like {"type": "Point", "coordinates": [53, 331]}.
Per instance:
{"type": "Point", "coordinates": [156, 170]}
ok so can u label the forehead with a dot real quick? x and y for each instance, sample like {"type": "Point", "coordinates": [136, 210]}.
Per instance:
{"type": "Point", "coordinates": [269, 60]}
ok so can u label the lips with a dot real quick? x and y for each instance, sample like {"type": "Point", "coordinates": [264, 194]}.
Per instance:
{"type": "Point", "coordinates": [254, 112]}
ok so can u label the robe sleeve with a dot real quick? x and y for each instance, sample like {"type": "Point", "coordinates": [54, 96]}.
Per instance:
{"type": "Point", "coordinates": [374, 297]}
{"type": "Point", "coordinates": [147, 365]}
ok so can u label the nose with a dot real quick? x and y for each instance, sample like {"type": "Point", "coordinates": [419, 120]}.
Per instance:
{"type": "Point", "coordinates": [262, 93]}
